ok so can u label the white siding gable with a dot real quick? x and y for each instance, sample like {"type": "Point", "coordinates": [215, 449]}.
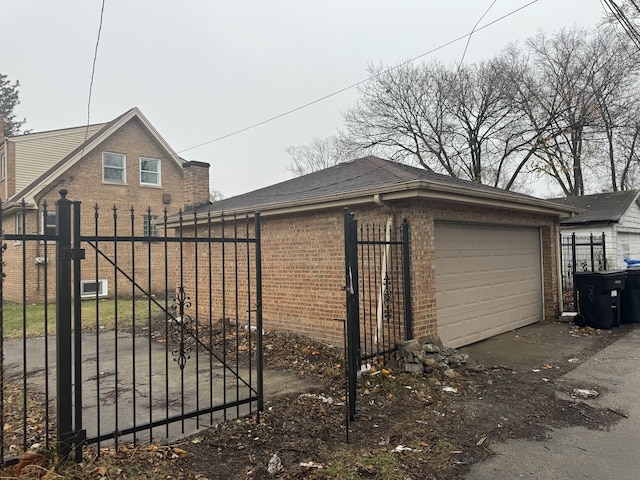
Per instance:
{"type": "Point", "coordinates": [37, 152]}
{"type": "Point", "coordinates": [630, 221]}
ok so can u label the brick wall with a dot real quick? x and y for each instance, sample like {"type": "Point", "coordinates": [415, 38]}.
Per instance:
{"type": "Point", "coordinates": [196, 183]}
{"type": "Point", "coordinates": [84, 183]}
{"type": "Point", "coordinates": [303, 265]}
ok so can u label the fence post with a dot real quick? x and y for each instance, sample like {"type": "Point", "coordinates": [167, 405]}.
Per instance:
{"type": "Point", "coordinates": [259, 347]}
{"type": "Point", "coordinates": [77, 255]}
{"type": "Point", "coordinates": [593, 263]}
{"type": "Point", "coordinates": [573, 272]}
{"type": "Point", "coordinates": [64, 399]}
{"type": "Point", "coordinates": [406, 266]}
{"type": "Point", "coordinates": [604, 253]}
{"type": "Point", "coordinates": [353, 306]}
{"type": "Point", "coordinates": [2, 274]}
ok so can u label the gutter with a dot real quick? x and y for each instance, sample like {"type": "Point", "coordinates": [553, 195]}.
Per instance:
{"type": "Point", "coordinates": [407, 190]}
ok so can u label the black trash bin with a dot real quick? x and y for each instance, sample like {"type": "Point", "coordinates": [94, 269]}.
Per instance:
{"type": "Point", "coordinates": [630, 300]}
{"type": "Point", "coordinates": [599, 297]}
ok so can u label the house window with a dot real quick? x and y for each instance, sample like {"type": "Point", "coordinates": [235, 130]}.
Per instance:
{"type": "Point", "coordinates": [92, 288]}
{"type": "Point", "coordinates": [3, 167]}
{"type": "Point", "coordinates": [149, 171]}
{"type": "Point", "coordinates": [114, 167]}
{"type": "Point", "coordinates": [50, 222]}
{"type": "Point", "coordinates": [150, 230]}
{"type": "Point", "coordinates": [19, 223]}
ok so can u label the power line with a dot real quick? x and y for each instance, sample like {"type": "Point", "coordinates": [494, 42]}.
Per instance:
{"type": "Point", "coordinates": [619, 14]}
{"type": "Point", "coordinates": [354, 85]}
{"type": "Point", "coordinates": [472, 32]}
{"type": "Point", "coordinates": [93, 71]}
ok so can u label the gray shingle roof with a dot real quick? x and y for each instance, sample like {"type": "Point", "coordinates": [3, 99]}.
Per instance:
{"type": "Point", "coordinates": [349, 178]}
{"type": "Point", "coordinates": [600, 208]}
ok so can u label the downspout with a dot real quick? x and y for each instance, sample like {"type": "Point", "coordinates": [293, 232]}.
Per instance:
{"type": "Point", "coordinates": [383, 273]}
{"type": "Point", "coordinates": [6, 167]}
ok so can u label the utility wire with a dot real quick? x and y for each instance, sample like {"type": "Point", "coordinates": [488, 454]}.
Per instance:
{"type": "Point", "coordinates": [93, 71]}
{"type": "Point", "coordinates": [623, 20]}
{"type": "Point", "coordinates": [353, 85]}
{"type": "Point", "coordinates": [472, 32]}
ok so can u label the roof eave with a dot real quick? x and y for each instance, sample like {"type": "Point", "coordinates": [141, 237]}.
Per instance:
{"type": "Point", "coordinates": [585, 223]}
{"type": "Point", "coordinates": [407, 190]}
{"type": "Point", "coordinates": [45, 179]}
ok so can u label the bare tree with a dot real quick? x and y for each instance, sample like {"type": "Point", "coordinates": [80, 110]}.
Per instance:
{"type": "Point", "coordinates": [460, 121]}
{"type": "Point", "coordinates": [582, 82]}
{"type": "Point", "coordinates": [561, 106]}
{"type": "Point", "coordinates": [624, 15]}
{"type": "Point", "coordinates": [627, 144]}
{"type": "Point", "coordinates": [613, 84]}
{"type": "Point", "coordinates": [320, 153]}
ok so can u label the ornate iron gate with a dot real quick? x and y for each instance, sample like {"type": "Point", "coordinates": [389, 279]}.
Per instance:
{"type": "Point", "coordinates": [579, 254]}
{"type": "Point", "coordinates": [378, 294]}
{"type": "Point", "coordinates": [158, 332]}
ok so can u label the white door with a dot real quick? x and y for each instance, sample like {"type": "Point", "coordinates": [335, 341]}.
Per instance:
{"type": "Point", "coordinates": [488, 280]}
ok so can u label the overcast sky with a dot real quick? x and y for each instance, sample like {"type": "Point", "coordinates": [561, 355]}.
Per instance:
{"type": "Point", "coordinates": [200, 69]}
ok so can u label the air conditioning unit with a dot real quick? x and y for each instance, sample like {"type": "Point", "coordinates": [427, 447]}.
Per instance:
{"type": "Point", "coordinates": [89, 288]}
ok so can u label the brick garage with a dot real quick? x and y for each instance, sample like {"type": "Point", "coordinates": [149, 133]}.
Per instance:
{"type": "Point", "coordinates": [303, 243]}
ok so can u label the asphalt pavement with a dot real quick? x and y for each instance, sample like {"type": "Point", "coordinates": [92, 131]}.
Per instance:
{"type": "Point", "coordinates": [577, 453]}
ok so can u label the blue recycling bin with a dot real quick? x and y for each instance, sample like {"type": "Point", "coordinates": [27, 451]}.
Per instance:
{"type": "Point", "coordinates": [599, 296]}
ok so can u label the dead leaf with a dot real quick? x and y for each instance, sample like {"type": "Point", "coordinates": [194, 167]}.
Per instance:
{"type": "Point", "coordinates": [99, 471]}
{"type": "Point", "coordinates": [481, 441]}
{"type": "Point", "coordinates": [180, 452]}
{"type": "Point", "coordinates": [424, 444]}
{"type": "Point", "coordinates": [368, 468]}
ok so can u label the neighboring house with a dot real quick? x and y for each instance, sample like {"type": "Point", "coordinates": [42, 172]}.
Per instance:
{"type": "Point", "coordinates": [124, 164]}
{"type": "Point", "coordinates": [483, 260]}
{"type": "Point", "coordinates": [616, 214]}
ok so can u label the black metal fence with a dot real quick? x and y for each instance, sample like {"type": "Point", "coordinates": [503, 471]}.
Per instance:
{"type": "Point", "coordinates": [150, 328]}
{"type": "Point", "coordinates": [378, 286]}
{"type": "Point", "coordinates": [579, 254]}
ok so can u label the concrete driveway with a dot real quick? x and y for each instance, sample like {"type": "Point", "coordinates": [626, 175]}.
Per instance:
{"type": "Point", "coordinates": [139, 382]}
{"type": "Point", "coordinates": [578, 453]}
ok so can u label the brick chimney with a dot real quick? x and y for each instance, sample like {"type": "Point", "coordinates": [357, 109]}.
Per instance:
{"type": "Point", "coordinates": [1, 129]}
{"type": "Point", "coordinates": [196, 183]}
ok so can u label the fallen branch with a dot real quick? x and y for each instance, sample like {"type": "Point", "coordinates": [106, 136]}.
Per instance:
{"type": "Point", "coordinates": [617, 412]}
{"type": "Point", "coordinates": [586, 416]}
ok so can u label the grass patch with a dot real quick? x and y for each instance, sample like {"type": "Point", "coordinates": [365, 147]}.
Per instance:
{"type": "Point", "coordinates": [36, 320]}
{"type": "Point", "coordinates": [382, 466]}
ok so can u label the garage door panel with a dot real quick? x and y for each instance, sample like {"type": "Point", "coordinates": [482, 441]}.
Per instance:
{"type": "Point", "coordinates": [488, 280]}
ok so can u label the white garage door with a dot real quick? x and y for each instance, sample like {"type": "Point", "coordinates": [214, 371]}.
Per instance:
{"type": "Point", "coordinates": [488, 280]}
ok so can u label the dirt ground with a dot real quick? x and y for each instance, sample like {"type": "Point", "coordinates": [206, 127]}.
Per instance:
{"type": "Point", "coordinates": [406, 427]}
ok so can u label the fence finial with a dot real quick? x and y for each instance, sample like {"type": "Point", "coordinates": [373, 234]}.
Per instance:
{"type": "Point", "coordinates": [63, 192]}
